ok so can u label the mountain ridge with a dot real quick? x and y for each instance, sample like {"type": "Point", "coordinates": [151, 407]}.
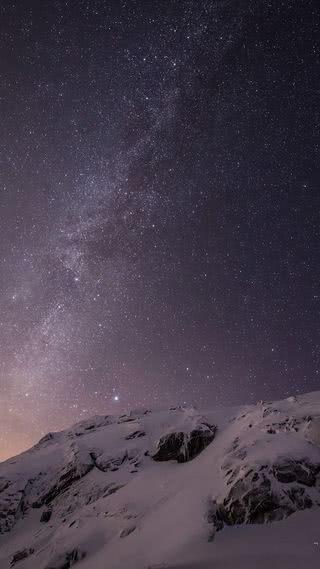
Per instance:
{"type": "Point", "coordinates": [162, 488]}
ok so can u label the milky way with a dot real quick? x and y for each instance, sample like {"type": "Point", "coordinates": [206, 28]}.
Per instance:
{"type": "Point", "coordinates": [159, 228]}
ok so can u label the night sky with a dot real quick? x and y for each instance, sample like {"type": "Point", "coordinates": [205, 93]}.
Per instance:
{"type": "Point", "coordinates": [159, 207]}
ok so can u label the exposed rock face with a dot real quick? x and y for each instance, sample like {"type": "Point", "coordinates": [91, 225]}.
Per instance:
{"type": "Point", "coordinates": [255, 497]}
{"type": "Point", "coordinates": [22, 554]}
{"type": "Point", "coordinates": [292, 471]}
{"type": "Point", "coordinates": [13, 503]}
{"type": "Point", "coordinates": [127, 531]}
{"type": "Point", "coordinates": [4, 484]}
{"type": "Point", "coordinates": [170, 447]}
{"type": "Point", "coordinates": [71, 472]}
{"type": "Point", "coordinates": [46, 516]}
{"type": "Point", "coordinates": [135, 435]}
{"type": "Point", "coordinates": [182, 447]}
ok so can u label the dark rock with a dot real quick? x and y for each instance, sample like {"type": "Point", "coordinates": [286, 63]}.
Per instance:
{"type": "Point", "coordinates": [183, 447]}
{"type": "Point", "coordinates": [112, 490]}
{"type": "Point", "coordinates": [47, 440]}
{"type": "Point", "coordinates": [247, 503]}
{"type": "Point", "coordinates": [73, 471]}
{"type": "Point", "coordinates": [169, 447]}
{"type": "Point", "coordinates": [22, 554]}
{"type": "Point", "coordinates": [294, 471]}
{"type": "Point", "coordinates": [262, 505]}
{"type": "Point", "coordinates": [199, 440]}
{"type": "Point", "coordinates": [14, 504]}
{"type": "Point", "coordinates": [4, 484]}
{"type": "Point", "coordinates": [233, 473]}
{"type": "Point", "coordinates": [240, 454]}
{"type": "Point", "coordinates": [127, 531]}
{"type": "Point", "coordinates": [135, 435]}
{"type": "Point", "coordinates": [251, 499]}
{"type": "Point", "coordinates": [299, 498]}
{"type": "Point", "coordinates": [46, 516]}
{"type": "Point", "coordinates": [215, 516]}
{"type": "Point", "coordinates": [267, 411]}
{"type": "Point", "coordinates": [234, 446]}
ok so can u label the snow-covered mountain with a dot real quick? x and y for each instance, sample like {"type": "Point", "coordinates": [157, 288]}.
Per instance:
{"type": "Point", "coordinates": [181, 489]}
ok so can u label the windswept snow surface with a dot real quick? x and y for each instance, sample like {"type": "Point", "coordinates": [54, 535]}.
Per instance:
{"type": "Point", "coordinates": [105, 503]}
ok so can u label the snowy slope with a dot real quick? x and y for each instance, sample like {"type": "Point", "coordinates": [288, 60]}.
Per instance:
{"type": "Point", "coordinates": [182, 488]}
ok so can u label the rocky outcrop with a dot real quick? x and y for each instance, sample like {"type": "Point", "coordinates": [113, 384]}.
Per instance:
{"type": "Point", "coordinates": [4, 484]}
{"type": "Point", "coordinates": [265, 494]}
{"type": "Point", "coordinates": [302, 472]}
{"type": "Point", "coordinates": [74, 470]}
{"type": "Point", "coordinates": [182, 446]}
{"type": "Point", "coordinates": [14, 500]}
{"type": "Point", "coordinates": [46, 516]}
{"type": "Point", "coordinates": [170, 447]}
{"type": "Point", "coordinates": [22, 554]}
{"type": "Point", "coordinates": [135, 435]}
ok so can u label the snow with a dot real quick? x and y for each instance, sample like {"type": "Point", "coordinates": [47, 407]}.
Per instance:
{"type": "Point", "coordinates": [123, 509]}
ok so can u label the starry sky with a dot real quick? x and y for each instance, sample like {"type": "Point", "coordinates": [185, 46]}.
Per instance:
{"type": "Point", "coordinates": [159, 207]}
